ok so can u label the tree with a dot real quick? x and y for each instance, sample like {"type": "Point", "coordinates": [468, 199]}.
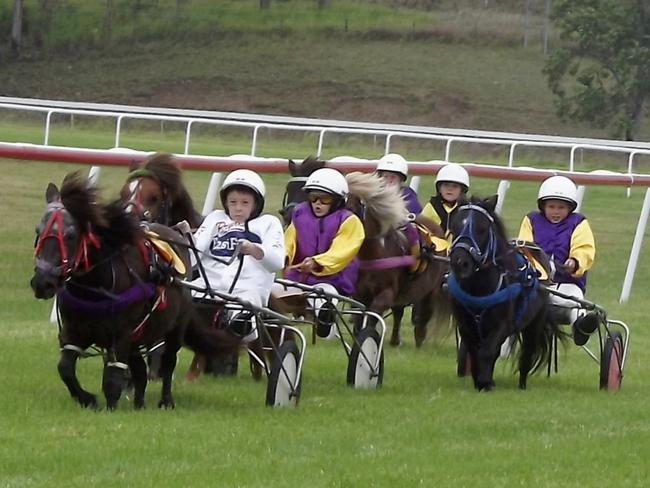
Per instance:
{"type": "Point", "coordinates": [601, 74]}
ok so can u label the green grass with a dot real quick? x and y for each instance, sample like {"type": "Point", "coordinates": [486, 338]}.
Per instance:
{"type": "Point", "coordinates": [425, 427]}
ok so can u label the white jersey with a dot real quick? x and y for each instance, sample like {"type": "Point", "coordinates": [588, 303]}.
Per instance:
{"type": "Point", "coordinates": [218, 236]}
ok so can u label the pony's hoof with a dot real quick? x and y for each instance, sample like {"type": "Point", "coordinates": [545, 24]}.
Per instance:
{"type": "Point", "coordinates": [88, 400]}
{"type": "Point", "coordinates": [167, 404]}
{"type": "Point", "coordinates": [395, 342]}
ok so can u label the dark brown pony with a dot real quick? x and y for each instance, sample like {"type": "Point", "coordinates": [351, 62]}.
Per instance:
{"type": "Point", "coordinates": [95, 259]}
{"type": "Point", "coordinates": [395, 287]}
{"type": "Point", "coordinates": [155, 192]}
{"type": "Point", "coordinates": [390, 276]}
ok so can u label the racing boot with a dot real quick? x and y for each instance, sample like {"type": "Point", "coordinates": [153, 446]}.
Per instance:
{"type": "Point", "coordinates": [583, 327]}
{"type": "Point", "coordinates": [326, 320]}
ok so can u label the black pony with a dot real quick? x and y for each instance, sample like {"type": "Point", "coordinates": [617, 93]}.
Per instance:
{"type": "Point", "coordinates": [496, 294]}
{"type": "Point", "coordinates": [98, 263]}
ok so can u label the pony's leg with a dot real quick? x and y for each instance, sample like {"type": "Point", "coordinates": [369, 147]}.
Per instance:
{"type": "Point", "coordinates": [257, 349]}
{"type": "Point", "coordinates": [485, 377]}
{"type": "Point", "coordinates": [398, 314]}
{"type": "Point", "coordinates": [197, 366]}
{"type": "Point", "coordinates": [139, 377]}
{"type": "Point", "coordinates": [487, 356]}
{"type": "Point", "coordinates": [526, 357]}
{"type": "Point", "coordinates": [67, 371]}
{"type": "Point", "coordinates": [115, 378]}
{"type": "Point", "coordinates": [423, 311]}
{"type": "Point", "coordinates": [167, 366]}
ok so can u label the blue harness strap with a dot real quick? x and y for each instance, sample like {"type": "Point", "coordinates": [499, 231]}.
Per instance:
{"type": "Point", "coordinates": [524, 290]}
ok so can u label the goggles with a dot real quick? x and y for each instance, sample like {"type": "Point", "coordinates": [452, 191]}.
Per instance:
{"type": "Point", "coordinates": [324, 199]}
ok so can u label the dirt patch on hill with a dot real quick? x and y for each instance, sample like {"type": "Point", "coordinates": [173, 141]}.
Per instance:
{"type": "Point", "coordinates": [322, 100]}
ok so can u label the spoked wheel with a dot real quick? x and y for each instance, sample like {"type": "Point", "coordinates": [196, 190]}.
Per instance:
{"type": "Point", "coordinates": [463, 361]}
{"type": "Point", "coordinates": [610, 362]}
{"type": "Point", "coordinates": [283, 388]}
{"type": "Point", "coordinates": [363, 357]}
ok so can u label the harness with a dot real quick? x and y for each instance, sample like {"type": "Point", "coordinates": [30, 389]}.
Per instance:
{"type": "Point", "coordinates": [520, 286]}
{"type": "Point", "coordinates": [109, 304]}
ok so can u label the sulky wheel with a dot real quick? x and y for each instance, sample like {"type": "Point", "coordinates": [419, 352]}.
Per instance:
{"type": "Point", "coordinates": [463, 361]}
{"type": "Point", "coordinates": [363, 358]}
{"type": "Point", "coordinates": [610, 362]}
{"type": "Point", "coordinates": [283, 388]}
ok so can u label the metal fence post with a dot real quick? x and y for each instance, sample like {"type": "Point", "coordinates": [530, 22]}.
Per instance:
{"type": "Point", "coordinates": [636, 248]}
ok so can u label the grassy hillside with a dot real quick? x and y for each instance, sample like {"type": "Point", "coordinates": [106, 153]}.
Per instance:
{"type": "Point", "coordinates": [459, 67]}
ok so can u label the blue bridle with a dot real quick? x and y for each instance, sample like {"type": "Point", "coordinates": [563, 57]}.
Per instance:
{"type": "Point", "coordinates": [466, 240]}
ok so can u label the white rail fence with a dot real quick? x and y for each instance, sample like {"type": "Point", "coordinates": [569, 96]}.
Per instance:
{"type": "Point", "coordinates": [451, 138]}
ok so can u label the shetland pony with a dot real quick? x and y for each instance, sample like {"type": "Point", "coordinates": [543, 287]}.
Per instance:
{"type": "Point", "coordinates": [495, 294]}
{"type": "Point", "coordinates": [95, 259]}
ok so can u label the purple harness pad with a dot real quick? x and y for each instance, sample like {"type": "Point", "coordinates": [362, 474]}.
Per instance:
{"type": "Point", "coordinates": [108, 306]}
{"type": "Point", "coordinates": [412, 234]}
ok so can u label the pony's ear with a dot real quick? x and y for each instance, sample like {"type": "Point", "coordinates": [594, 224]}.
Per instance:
{"type": "Point", "coordinates": [52, 193]}
{"type": "Point", "coordinates": [133, 165]}
{"type": "Point", "coordinates": [292, 167]}
{"type": "Point", "coordinates": [491, 203]}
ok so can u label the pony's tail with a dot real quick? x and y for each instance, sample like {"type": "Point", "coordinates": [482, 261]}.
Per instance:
{"type": "Point", "coordinates": [209, 341]}
{"type": "Point", "coordinates": [552, 337]}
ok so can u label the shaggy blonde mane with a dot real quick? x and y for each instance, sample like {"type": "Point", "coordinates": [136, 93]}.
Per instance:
{"type": "Point", "coordinates": [383, 202]}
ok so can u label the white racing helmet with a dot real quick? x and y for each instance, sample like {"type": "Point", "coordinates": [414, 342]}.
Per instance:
{"type": "Point", "coordinates": [453, 173]}
{"type": "Point", "coordinates": [327, 180]}
{"type": "Point", "coordinates": [395, 164]}
{"type": "Point", "coordinates": [247, 179]}
{"type": "Point", "coordinates": [558, 188]}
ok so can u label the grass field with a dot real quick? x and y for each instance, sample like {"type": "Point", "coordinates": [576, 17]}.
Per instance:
{"type": "Point", "coordinates": [425, 427]}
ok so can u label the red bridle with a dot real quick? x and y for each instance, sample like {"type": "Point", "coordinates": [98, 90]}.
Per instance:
{"type": "Point", "coordinates": [81, 253]}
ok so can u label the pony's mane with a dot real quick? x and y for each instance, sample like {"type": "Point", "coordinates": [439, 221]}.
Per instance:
{"type": "Point", "coordinates": [383, 202]}
{"type": "Point", "coordinates": [168, 174]}
{"type": "Point", "coordinates": [498, 222]}
{"type": "Point", "coordinates": [81, 201]}
{"type": "Point", "coordinates": [110, 222]}
{"type": "Point", "coordinates": [306, 167]}
{"type": "Point", "coordinates": [123, 228]}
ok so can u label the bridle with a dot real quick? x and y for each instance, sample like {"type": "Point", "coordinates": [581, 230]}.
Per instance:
{"type": "Point", "coordinates": [466, 240]}
{"type": "Point", "coordinates": [134, 203]}
{"type": "Point", "coordinates": [54, 230]}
